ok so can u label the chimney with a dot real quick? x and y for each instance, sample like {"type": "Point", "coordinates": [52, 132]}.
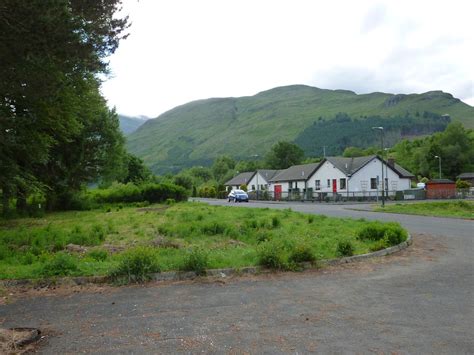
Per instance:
{"type": "Point", "coordinates": [391, 162]}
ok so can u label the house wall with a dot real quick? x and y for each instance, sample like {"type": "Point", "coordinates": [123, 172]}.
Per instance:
{"type": "Point", "coordinates": [325, 172]}
{"type": "Point", "coordinates": [360, 181]}
{"type": "Point", "coordinates": [261, 181]}
{"type": "Point", "coordinates": [285, 185]}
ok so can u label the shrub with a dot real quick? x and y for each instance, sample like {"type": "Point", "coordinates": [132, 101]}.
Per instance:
{"type": "Point", "coordinates": [276, 222]}
{"type": "Point", "coordinates": [196, 260]}
{"type": "Point", "coordinates": [302, 253]}
{"type": "Point", "coordinates": [345, 248]}
{"type": "Point", "coordinates": [310, 219]}
{"type": "Point", "coordinates": [394, 236]}
{"type": "Point", "coordinates": [372, 231]}
{"type": "Point", "coordinates": [379, 245]}
{"type": "Point", "coordinates": [271, 254]}
{"type": "Point", "coordinates": [213, 228]}
{"type": "Point", "coordinates": [98, 254]}
{"type": "Point", "coordinates": [61, 264]}
{"type": "Point", "coordinates": [136, 265]}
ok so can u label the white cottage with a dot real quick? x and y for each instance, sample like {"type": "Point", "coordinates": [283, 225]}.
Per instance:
{"type": "Point", "coordinates": [260, 181]}
{"type": "Point", "coordinates": [359, 176]}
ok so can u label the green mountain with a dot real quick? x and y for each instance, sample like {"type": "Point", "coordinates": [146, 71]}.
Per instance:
{"type": "Point", "coordinates": [129, 124]}
{"type": "Point", "coordinates": [197, 132]}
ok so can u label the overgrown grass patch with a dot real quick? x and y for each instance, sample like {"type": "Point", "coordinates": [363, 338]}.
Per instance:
{"type": "Point", "coordinates": [460, 209]}
{"type": "Point", "coordinates": [218, 237]}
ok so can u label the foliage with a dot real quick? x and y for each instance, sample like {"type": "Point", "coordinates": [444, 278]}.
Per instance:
{"type": "Point", "coordinates": [283, 155]}
{"type": "Point", "coordinates": [136, 171]}
{"type": "Point", "coordinates": [343, 131]}
{"type": "Point", "coordinates": [56, 132]}
{"type": "Point", "coordinates": [461, 184]}
{"type": "Point", "coordinates": [302, 252]}
{"type": "Point", "coordinates": [136, 265]}
{"type": "Point", "coordinates": [463, 209]}
{"type": "Point", "coordinates": [392, 233]}
{"type": "Point", "coordinates": [345, 248]}
{"type": "Point", "coordinates": [230, 236]}
{"type": "Point", "coordinates": [455, 146]}
{"type": "Point", "coordinates": [271, 254]}
{"type": "Point", "coordinates": [196, 260]}
{"type": "Point", "coordinates": [60, 264]}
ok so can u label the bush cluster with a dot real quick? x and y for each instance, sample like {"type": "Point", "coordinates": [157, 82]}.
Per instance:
{"type": "Point", "coordinates": [345, 248]}
{"type": "Point", "coordinates": [61, 264]}
{"type": "Point", "coordinates": [275, 254]}
{"type": "Point", "coordinates": [383, 235]}
{"type": "Point", "coordinates": [136, 265]}
{"type": "Point", "coordinates": [149, 192]}
{"type": "Point", "coordinates": [196, 260]}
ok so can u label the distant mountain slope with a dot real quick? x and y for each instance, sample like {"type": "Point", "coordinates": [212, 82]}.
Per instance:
{"type": "Point", "coordinates": [195, 133]}
{"type": "Point", "coordinates": [129, 124]}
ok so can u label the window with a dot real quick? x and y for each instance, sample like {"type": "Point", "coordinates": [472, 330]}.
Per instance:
{"type": "Point", "coordinates": [290, 185]}
{"type": "Point", "coordinates": [296, 184]}
{"type": "Point", "coordinates": [329, 183]}
{"type": "Point", "coordinates": [373, 183]}
{"type": "Point", "coordinates": [317, 184]}
{"type": "Point", "coordinates": [253, 187]}
{"type": "Point", "coordinates": [342, 184]}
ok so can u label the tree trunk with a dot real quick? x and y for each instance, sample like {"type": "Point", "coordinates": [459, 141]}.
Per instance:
{"type": "Point", "coordinates": [5, 201]}
{"type": "Point", "coordinates": [21, 201]}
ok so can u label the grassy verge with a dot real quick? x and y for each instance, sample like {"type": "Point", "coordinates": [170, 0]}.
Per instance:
{"type": "Point", "coordinates": [184, 236]}
{"type": "Point", "coordinates": [460, 209]}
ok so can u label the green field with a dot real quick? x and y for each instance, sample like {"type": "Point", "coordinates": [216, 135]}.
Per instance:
{"type": "Point", "coordinates": [172, 235]}
{"type": "Point", "coordinates": [459, 209]}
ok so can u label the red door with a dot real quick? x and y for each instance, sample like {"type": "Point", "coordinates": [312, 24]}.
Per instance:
{"type": "Point", "coordinates": [277, 192]}
{"type": "Point", "coordinates": [334, 185]}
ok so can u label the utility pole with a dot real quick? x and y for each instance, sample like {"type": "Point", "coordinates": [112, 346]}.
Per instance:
{"type": "Point", "coordinates": [383, 180]}
{"type": "Point", "coordinates": [324, 151]}
{"type": "Point", "coordinates": [439, 164]}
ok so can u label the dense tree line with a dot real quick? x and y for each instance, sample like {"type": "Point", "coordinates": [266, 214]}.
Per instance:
{"type": "Point", "coordinates": [56, 132]}
{"type": "Point", "coordinates": [342, 131]}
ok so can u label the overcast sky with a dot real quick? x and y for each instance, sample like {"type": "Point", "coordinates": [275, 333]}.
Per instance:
{"type": "Point", "coordinates": [179, 51]}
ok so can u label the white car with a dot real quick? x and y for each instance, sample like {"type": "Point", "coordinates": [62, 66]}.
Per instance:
{"type": "Point", "coordinates": [238, 196]}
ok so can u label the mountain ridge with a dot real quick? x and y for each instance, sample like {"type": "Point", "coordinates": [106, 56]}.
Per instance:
{"type": "Point", "coordinates": [196, 132]}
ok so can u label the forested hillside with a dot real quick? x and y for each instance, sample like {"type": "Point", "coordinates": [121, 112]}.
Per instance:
{"type": "Point", "coordinates": [128, 124]}
{"type": "Point", "coordinates": [199, 131]}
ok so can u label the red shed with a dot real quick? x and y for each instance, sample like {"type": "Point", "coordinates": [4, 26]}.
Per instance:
{"type": "Point", "coordinates": [440, 188]}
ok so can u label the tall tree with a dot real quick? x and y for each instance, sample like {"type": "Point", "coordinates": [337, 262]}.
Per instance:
{"type": "Point", "coordinates": [283, 155]}
{"type": "Point", "coordinates": [55, 129]}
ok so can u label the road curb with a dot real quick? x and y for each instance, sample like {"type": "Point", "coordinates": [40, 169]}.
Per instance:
{"type": "Point", "coordinates": [211, 273]}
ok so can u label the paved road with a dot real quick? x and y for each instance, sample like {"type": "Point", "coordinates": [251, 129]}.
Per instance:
{"type": "Point", "coordinates": [418, 301]}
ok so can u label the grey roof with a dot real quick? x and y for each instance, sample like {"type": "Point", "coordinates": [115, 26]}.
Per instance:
{"type": "Point", "coordinates": [296, 172]}
{"type": "Point", "coordinates": [402, 172]}
{"type": "Point", "coordinates": [241, 179]}
{"type": "Point", "coordinates": [466, 176]}
{"type": "Point", "coordinates": [268, 174]}
{"type": "Point", "coordinates": [440, 181]}
{"type": "Point", "coordinates": [350, 166]}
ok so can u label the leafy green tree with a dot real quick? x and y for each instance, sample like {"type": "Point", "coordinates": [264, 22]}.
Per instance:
{"type": "Point", "coordinates": [352, 152]}
{"type": "Point", "coordinates": [56, 132]}
{"type": "Point", "coordinates": [283, 155]}
{"type": "Point", "coordinates": [137, 171]}
{"type": "Point", "coordinates": [221, 166]}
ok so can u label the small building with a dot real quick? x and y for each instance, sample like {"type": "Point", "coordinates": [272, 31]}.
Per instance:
{"type": "Point", "coordinates": [261, 179]}
{"type": "Point", "coordinates": [440, 188]}
{"type": "Point", "coordinates": [468, 177]}
{"type": "Point", "coordinates": [292, 182]}
{"type": "Point", "coordinates": [242, 179]}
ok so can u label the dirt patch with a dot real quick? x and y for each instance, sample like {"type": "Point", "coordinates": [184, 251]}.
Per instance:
{"type": "Point", "coordinates": [163, 242]}
{"type": "Point", "coordinates": [18, 340]}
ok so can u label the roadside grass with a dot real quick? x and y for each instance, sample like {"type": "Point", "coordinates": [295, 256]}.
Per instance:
{"type": "Point", "coordinates": [459, 209]}
{"type": "Point", "coordinates": [182, 236]}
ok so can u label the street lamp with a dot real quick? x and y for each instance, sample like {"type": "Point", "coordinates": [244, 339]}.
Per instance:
{"type": "Point", "coordinates": [439, 161]}
{"type": "Point", "coordinates": [383, 181]}
{"type": "Point", "coordinates": [256, 156]}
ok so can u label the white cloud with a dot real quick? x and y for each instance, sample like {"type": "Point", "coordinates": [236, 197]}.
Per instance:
{"type": "Point", "coordinates": [180, 50]}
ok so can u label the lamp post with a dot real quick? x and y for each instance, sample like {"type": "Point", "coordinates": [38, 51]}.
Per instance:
{"type": "Point", "coordinates": [439, 164]}
{"type": "Point", "coordinates": [256, 156]}
{"type": "Point", "coordinates": [383, 181]}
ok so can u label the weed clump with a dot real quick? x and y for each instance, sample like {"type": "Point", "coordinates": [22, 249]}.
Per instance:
{"type": "Point", "coordinates": [271, 254]}
{"type": "Point", "coordinates": [345, 248]}
{"type": "Point", "coordinates": [196, 260]}
{"type": "Point", "coordinates": [136, 265]}
{"type": "Point", "coordinates": [302, 253]}
{"type": "Point", "coordinates": [61, 264]}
